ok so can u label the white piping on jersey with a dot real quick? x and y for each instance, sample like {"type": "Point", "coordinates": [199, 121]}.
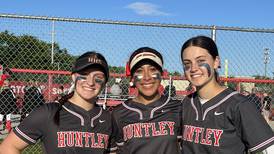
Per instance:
{"type": "Point", "coordinates": [76, 114]}
{"type": "Point", "coordinates": [212, 107]}
{"type": "Point", "coordinates": [24, 135]}
{"type": "Point", "coordinates": [261, 144]}
{"type": "Point", "coordinates": [97, 116]}
{"type": "Point", "coordinates": [134, 109]}
{"type": "Point", "coordinates": [120, 143]}
{"type": "Point", "coordinates": [179, 137]}
{"type": "Point", "coordinates": [192, 104]}
{"type": "Point", "coordinates": [113, 149]}
{"type": "Point", "coordinates": [156, 108]}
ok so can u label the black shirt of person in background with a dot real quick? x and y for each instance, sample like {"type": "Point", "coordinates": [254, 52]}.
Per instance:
{"type": "Point", "coordinates": [33, 98]}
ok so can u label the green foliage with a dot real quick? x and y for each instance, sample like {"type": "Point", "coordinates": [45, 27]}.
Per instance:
{"type": "Point", "coordinates": [117, 69]}
{"type": "Point", "coordinates": [264, 87]}
{"type": "Point", "coordinates": [28, 52]}
{"type": "Point", "coordinates": [175, 73]}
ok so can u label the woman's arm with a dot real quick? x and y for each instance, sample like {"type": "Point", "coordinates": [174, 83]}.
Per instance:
{"type": "Point", "coordinates": [12, 144]}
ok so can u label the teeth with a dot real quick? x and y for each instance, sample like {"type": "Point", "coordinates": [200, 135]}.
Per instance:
{"type": "Point", "coordinates": [90, 89]}
{"type": "Point", "coordinates": [147, 85]}
{"type": "Point", "coordinates": [195, 76]}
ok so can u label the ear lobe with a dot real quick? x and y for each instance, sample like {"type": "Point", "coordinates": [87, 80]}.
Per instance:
{"type": "Point", "coordinates": [73, 76]}
{"type": "Point", "coordinates": [131, 83]}
{"type": "Point", "coordinates": [217, 62]}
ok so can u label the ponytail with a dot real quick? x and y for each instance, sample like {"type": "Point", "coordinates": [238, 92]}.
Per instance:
{"type": "Point", "coordinates": [61, 101]}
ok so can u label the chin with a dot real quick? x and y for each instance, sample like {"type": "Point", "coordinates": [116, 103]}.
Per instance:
{"type": "Point", "coordinates": [149, 93]}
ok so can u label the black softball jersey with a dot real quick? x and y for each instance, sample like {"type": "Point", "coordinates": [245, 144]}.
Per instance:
{"type": "Point", "coordinates": [79, 131]}
{"type": "Point", "coordinates": [226, 124]}
{"type": "Point", "coordinates": [148, 129]}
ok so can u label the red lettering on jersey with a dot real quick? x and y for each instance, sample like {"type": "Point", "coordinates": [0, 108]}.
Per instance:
{"type": "Point", "coordinates": [208, 136]}
{"type": "Point", "coordinates": [137, 130]}
{"type": "Point", "coordinates": [76, 139]}
{"type": "Point", "coordinates": [86, 135]}
{"type": "Point", "coordinates": [162, 127]}
{"type": "Point", "coordinates": [61, 139]}
{"type": "Point", "coordinates": [171, 127]}
{"type": "Point", "coordinates": [188, 133]}
{"type": "Point", "coordinates": [106, 141]}
{"type": "Point", "coordinates": [130, 131]}
{"type": "Point", "coordinates": [79, 139]}
{"type": "Point", "coordinates": [202, 140]}
{"type": "Point", "coordinates": [202, 136]}
{"type": "Point", "coordinates": [197, 131]}
{"type": "Point", "coordinates": [94, 144]}
{"type": "Point", "coordinates": [70, 138]}
{"type": "Point", "coordinates": [125, 133]}
{"type": "Point", "coordinates": [155, 132]}
{"type": "Point", "coordinates": [217, 136]}
{"type": "Point", "coordinates": [100, 140]}
{"type": "Point", "coordinates": [146, 126]}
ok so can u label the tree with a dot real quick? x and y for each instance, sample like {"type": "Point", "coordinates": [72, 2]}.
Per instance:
{"type": "Point", "coordinates": [28, 52]}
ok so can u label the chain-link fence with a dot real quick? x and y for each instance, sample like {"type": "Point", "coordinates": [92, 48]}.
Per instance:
{"type": "Point", "coordinates": [36, 55]}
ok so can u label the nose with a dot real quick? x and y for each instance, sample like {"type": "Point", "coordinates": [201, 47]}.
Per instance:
{"type": "Point", "coordinates": [146, 74]}
{"type": "Point", "coordinates": [194, 67]}
{"type": "Point", "coordinates": [90, 80]}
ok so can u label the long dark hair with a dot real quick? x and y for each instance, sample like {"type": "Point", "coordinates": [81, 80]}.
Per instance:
{"type": "Point", "coordinates": [61, 102]}
{"type": "Point", "coordinates": [202, 42]}
{"type": "Point", "coordinates": [205, 43]}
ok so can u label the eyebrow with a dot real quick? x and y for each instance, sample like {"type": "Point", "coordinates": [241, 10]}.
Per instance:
{"type": "Point", "coordinates": [99, 74]}
{"type": "Point", "coordinates": [195, 58]}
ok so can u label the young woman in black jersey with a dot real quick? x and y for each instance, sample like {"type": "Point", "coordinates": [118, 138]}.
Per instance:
{"type": "Point", "coordinates": [217, 119]}
{"type": "Point", "coordinates": [74, 125]}
{"type": "Point", "coordinates": [148, 123]}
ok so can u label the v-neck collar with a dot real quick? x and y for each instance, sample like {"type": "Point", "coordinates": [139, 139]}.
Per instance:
{"type": "Point", "coordinates": [80, 110]}
{"type": "Point", "coordinates": [202, 110]}
{"type": "Point", "coordinates": [153, 104]}
{"type": "Point", "coordinates": [141, 108]}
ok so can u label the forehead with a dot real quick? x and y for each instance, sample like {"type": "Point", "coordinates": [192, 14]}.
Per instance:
{"type": "Point", "coordinates": [194, 52]}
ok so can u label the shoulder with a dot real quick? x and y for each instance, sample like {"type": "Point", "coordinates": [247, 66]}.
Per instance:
{"type": "Point", "coordinates": [122, 106]}
{"type": "Point", "coordinates": [122, 109]}
{"type": "Point", "coordinates": [187, 98]}
{"type": "Point", "coordinates": [49, 108]}
{"type": "Point", "coordinates": [239, 102]}
{"type": "Point", "coordinates": [173, 102]}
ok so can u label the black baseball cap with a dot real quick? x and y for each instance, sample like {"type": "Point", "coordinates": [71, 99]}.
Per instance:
{"type": "Point", "coordinates": [91, 59]}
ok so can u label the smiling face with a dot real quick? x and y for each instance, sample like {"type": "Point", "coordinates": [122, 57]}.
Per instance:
{"type": "Point", "coordinates": [199, 66]}
{"type": "Point", "coordinates": [147, 79]}
{"type": "Point", "coordinates": [88, 83]}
